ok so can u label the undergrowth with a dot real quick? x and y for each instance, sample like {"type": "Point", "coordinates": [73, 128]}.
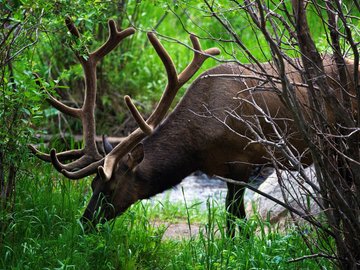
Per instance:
{"type": "Point", "coordinates": [44, 233]}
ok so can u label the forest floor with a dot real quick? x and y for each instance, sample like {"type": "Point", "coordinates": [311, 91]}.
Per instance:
{"type": "Point", "coordinates": [179, 229]}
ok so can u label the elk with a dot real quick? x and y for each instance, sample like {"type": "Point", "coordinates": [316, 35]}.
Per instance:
{"type": "Point", "coordinates": [200, 134]}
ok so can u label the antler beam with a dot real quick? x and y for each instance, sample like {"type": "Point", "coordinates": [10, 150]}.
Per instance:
{"type": "Point", "coordinates": [87, 157]}
{"type": "Point", "coordinates": [175, 82]}
{"type": "Point", "coordinates": [87, 161]}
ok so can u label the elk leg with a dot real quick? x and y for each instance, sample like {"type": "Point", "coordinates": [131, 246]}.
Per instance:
{"type": "Point", "coordinates": [235, 202]}
{"type": "Point", "coordinates": [234, 206]}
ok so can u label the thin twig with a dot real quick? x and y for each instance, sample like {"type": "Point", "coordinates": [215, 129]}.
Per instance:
{"type": "Point", "coordinates": [288, 207]}
{"type": "Point", "coordinates": [312, 256]}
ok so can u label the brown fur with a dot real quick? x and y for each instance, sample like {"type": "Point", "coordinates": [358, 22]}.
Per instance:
{"type": "Point", "coordinates": [197, 136]}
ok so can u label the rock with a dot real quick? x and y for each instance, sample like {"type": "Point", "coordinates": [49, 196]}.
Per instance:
{"type": "Point", "coordinates": [296, 191]}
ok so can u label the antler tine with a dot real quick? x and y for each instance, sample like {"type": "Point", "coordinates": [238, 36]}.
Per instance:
{"type": "Point", "coordinates": [63, 108]}
{"type": "Point", "coordinates": [165, 58]}
{"type": "Point", "coordinates": [199, 57]}
{"type": "Point", "coordinates": [71, 26]}
{"type": "Point", "coordinates": [86, 171]}
{"type": "Point", "coordinates": [66, 155]}
{"type": "Point", "coordinates": [171, 91]}
{"type": "Point", "coordinates": [54, 102]}
{"type": "Point", "coordinates": [81, 162]}
{"type": "Point", "coordinates": [137, 116]}
{"type": "Point", "coordinates": [174, 84]}
{"type": "Point", "coordinates": [63, 156]}
{"type": "Point", "coordinates": [75, 32]}
{"type": "Point", "coordinates": [115, 37]}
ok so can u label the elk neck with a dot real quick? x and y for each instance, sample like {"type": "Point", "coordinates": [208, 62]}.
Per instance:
{"type": "Point", "coordinates": [168, 158]}
{"type": "Point", "coordinates": [175, 148]}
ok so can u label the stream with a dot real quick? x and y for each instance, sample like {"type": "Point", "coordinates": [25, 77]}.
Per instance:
{"type": "Point", "coordinates": [198, 188]}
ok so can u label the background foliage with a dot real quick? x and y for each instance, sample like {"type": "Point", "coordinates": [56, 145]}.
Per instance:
{"type": "Point", "coordinates": [39, 210]}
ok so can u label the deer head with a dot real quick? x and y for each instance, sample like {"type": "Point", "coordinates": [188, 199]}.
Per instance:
{"type": "Point", "coordinates": [114, 186]}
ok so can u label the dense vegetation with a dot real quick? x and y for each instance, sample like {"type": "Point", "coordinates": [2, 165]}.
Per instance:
{"type": "Point", "coordinates": [44, 233]}
{"type": "Point", "coordinates": [40, 209]}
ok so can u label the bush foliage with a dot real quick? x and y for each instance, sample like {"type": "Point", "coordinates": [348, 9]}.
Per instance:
{"type": "Point", "coordinates": [39, 226]}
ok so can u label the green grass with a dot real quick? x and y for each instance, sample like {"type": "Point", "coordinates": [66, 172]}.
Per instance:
{"type": "Point", "coordinates": [44, 233]}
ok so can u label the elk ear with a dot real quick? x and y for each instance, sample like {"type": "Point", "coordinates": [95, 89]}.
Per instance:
{"type": "Point", "coordinates": [135, 156]}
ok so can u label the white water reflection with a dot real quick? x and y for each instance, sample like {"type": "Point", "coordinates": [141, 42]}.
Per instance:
{"type": "Point", "coordinates": [199, 188]}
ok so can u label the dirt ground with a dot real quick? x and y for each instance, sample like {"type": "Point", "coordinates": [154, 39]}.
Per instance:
{"type": "Point", "coordinates": [178, 230]}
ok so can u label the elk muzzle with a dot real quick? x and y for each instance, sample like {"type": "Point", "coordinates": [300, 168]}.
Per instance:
{"type": "Point", "coordinates": [99, 210]}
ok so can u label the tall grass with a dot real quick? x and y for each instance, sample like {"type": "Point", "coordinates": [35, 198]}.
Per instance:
{"type": "Point", "coordinates": [44, 233]}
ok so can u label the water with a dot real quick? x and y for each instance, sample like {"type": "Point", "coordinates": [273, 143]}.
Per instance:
{"type": "Point", "coordinates": [199, 188]}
